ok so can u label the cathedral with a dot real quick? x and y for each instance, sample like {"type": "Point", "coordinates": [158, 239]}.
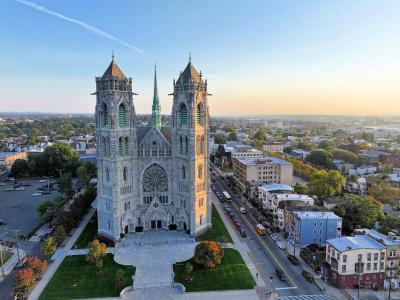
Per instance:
{"type": "Point", "coordinates": [152, 177]}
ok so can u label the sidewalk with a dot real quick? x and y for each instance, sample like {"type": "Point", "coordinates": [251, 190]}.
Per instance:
{"type": "Point", "coordinates": [12, 262]}
{"type": "Point", "coordinates": [240, 246]}
{"type": "Point", "coordinates": [58, 258]}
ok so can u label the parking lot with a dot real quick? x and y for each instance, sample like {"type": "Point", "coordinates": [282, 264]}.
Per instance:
{"type": "Point", "coordinates": [18, 208]}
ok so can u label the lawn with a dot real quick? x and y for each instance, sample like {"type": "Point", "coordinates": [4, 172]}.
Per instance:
{"type": "Point", "coordinates": [6, 256]}
{"type": "Point", "coordinates": [77, 279]}
{"type": "Point", "coordinates": [88, 234]}
{"type": "Point", "coordinates": [231, 274]}
{"type": "Point", "coordinates": [218, 233]}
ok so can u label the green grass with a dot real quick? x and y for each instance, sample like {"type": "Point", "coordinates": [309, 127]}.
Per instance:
{"type": "Point", "coordinates": [77, 279]}
{"type": "Point", "coordinates": [88, 234]}
{"type": "Point", "coordinates": [218, 233]}
{"type": "Point", "coordinates": [231, 274]}
{"type": "Point", "coordinates": [6, 256]}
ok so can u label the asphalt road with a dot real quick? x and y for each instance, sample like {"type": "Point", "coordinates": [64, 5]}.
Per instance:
{"type": "Point", "coordinates": [267, 255]}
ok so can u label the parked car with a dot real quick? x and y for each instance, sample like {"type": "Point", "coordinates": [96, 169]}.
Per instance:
{"type": "Point", "coordinates": [243, 233]}
{"type": "Point", "coordinates": [275, 236]}
{"type": "Point", "coordinates": [43, 180]}
{"type": "Point", "coordinates": [9, 189]}
{"type": "Point", "coordinates": [36, 194]}
{"type": "Point", "coordinates": [269, 230]}
{"type": "Point", "coordinates": [281, 275]}
{"type": "Point", "coordinates": [242, 210]}
{"type": "Point", "coordinates": [227, 208]}
{"type": "Point", "coordinates": [2, 184]}
{"type": "Point", "coordinates": [293, 259]}
{"type": "Point", "coordinates": [280, 245]}
{"type": "Point", "coordinates": [20, 188]}
{"type": "Point", "coordinates": [307, 276]}
{"type": "Point", "coordinates": [231, 215]}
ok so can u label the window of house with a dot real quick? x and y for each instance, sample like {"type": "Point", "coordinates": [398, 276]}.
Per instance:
{"type": "Point", "coordinates": [369, 257]}
{"type": "Point", "coordinates": [345, 258]}
{"type": "Point", "coordinates": [343, 268]}
{"type": "Point", "coordinates": [368, 267]}
{"type": "Point", "coordinates": [375, 256]}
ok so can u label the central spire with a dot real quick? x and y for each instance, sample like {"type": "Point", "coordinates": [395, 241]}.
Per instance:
{"type": "Point", "coordinates": [156, 108]}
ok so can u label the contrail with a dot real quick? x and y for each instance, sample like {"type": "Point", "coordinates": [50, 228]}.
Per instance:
{"type": "Point", "coordinates": [80, 23]}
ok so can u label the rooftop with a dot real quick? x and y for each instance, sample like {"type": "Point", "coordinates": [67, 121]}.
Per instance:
{"type": "Point", "coordinates": [292, 197]}
{"type": "Point", "coordinates": [5, 154]}
{"type": "Point", "coordinates": [113, 70]}
{"type": "Point", "coordinates": [262, 160]}
{"type": "Point", "coordinates": [346, 243]}
{"type": "Point", "coordinates": [276, 187]}
{"type": "Point", "coordinates": [316, 215]}
{"type": "Point", "coordinates": [384, 239]}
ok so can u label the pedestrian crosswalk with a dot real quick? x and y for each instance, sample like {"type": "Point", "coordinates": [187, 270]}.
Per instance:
{"type": "Point", "coordinates": [307, 297]}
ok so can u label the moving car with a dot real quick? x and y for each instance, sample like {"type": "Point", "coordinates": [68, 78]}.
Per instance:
{"type": "Point", "coordinates": [293, 259]}
{"type": "Point", "coordinates": [243, 233]}
{"type": "Point", "coordinates": [281, 275]}
{"type": "Point", "coordinates": [37, 194]}
{"type": "Point", "coordinates": [242, 210]}
{"type": "Point", "coordinates": [307, 276]}
{"type": "Point", "coordinates": [260, 229]}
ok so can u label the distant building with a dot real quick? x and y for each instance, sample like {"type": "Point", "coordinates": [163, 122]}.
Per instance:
{"type": "Point", "coordinates": [263, 170]}
{"type": "Point", "coordinates": [299, 154]}
{"type": "Point", "coordinates": [274, 147]}
{"type": "Point", "coordinates": [313, 227]}
{"type": "Point", "coordinates": [265, 192]}
{"type": "Point", "coordinates": [357, 187]}
{"type": "Point", "coordinates": [239, 150]}
{"type": "Point", "coordinates": [363, 170]}
{"type": "Point", "coordinates": [355, 260]}
{"type": "Point", "coordinates": [7, 159]}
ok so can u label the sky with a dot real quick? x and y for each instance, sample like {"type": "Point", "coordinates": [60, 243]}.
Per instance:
{"type": "Point", "coordinates": [337, 57]}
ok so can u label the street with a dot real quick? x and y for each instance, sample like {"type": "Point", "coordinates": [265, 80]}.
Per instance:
{"type": "Point", "coordinates": [266, 254]}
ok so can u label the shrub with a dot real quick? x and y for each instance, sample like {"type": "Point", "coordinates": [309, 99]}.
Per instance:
{"type": "Point", "coordinates": [208, 254]}
{"type": "Point", "coordinates": [48, 247]}
{"type": "Point", "coordinates": [59, 235]}
{"type": "Point", "coordinates": [172, 226]}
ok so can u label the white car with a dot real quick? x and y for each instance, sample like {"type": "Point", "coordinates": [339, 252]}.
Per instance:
{"type": "Point", "coordinates": [37, 194]}
{"type": "Point", "coordinates": [2, 184]}
{"type": "Point", "coordinates": [280, 245]}
{"type": "Point", "coordinates": [21, 188]}
{"type": "Point", "coordinates": [242, 210]}
{"type": "Point", "coordinates": [43, 180]}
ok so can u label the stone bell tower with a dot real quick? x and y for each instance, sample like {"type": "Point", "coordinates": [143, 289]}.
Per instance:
{"type": "Point", "coordinates": [190, 133]}
{"type": "Point", "coordinates": [116, 144]}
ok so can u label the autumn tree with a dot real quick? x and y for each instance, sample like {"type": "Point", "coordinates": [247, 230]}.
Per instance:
{"type": "Point", "coordinates": [24, 281]}
{"type": "Point", "coordinates": [208, 254]}
{"type": "Point", "coordinates": [384, 192]}
{"type": "Point", "coordinates": [48, 247]}
{"type": "Point", "coordinates": [188, 271]}
{"type": "Point", "coordinates": [96, 253]}
{"type": "Point", "coordinates": [38, 266]}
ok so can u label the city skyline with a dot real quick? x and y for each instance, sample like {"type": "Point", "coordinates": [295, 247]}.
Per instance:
{"type": "Point", "coordinates": [337, 58]}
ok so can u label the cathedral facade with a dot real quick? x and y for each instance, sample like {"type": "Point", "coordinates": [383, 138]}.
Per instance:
{"type": "Point", "coordinates": [152, 176]}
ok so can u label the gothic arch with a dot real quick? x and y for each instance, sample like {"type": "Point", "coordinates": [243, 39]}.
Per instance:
{"type": "Point", "coordinates": [183, 115]}
{"type": "Point", "coordinates": [104, 115]}
{"type": "Point", "coordinates": [122, 115]}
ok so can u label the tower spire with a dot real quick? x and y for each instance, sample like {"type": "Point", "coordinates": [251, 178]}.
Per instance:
{"type": "Point", "coordinates": [156, 108]}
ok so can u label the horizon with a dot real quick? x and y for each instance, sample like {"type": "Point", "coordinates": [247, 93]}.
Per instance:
{"type": "Point", "coordinates": [270, 58]}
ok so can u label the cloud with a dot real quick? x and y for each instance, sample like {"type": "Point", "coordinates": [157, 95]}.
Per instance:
{"type": "Point", "coordinates": [82, 24]}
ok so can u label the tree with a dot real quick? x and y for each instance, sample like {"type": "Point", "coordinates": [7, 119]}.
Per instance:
{"type": "Point", "coordinates": [24, 281]}
{"type": "Point", "coordinates": [261, 134]}
{"type": "Point", "coordinates": [208, 254]}
{"type": "Point", "coordinates": [233, 136]}
{"type": "Point", "coordinates": [258, 144]}
{"type": "Point", "coordinates": [326, 183]}
{"type": "Point", "coordinates": [326, 144]}
{"type": "Point", "coordinates": [358, 212]}
{"type": "Point", "coordinates": [86, 171]}
{"type": "Point", "coordinates": [96, 251]}
{"type": "Point", "coordinates": [299, 188]}
{"type": "Point", "coordinates": [19, 168]}
{"type": "Point", "coordinates": [287, 149]}
{"type": "Point", "coordinates": [389, 223]}
{"type": "Point", "coordinates": [65, 185]}
{"type": "Point", "coordinates": [305, 146]}
{"type": "Point", "coordinates": [48, 247]}
{"type": "Point", "coordinates": [59, 235]}
{"type": "Point", "coordinates": [46, 211]}
{"type": "Point", "coordinates": [38, 266]}
{"type": "Point", "coordinates": [346, 156]}
{"type": "Point", "coordinates": [188, 271]}
{"type": "Point", "coordinates": [99, 266]}
{"type": "Point", "coordinates": [219, 139]}
{"type": "Point", "coordinates": [384, 192]}
{"type": "Point", "coordinates": [321, 158]}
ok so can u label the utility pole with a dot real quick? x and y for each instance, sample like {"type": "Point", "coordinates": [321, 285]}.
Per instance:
{"type": "Point", "coordinates": [16, 238]}
{"type": "Point", "coordinates": [1, 258]}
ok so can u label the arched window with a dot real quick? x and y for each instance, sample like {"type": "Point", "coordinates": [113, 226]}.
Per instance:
{"type": "Point", "coordinates": [155, 183]}
{"type": "Point", "coordinates": [198, 114]}
{"type": "Point", "coordinates": [200, 171]}
{"type": "Point", "coordinates": [104, 115]}
{"type": "Point", "coordinates": [126, 147]}
{"type": "Point", "coordinates": [107, 146]}
{"type": "Point", "coordinates": [183, 114]}
{"type": "Point", "coordinates": [198, 146]}
{"type": "Point", "coordinates": [181, 145]}
{"type": "Point", "coordinates": [183, 172]}
{"type": "Point", "coordinates": [120, 146]}
{"type": "Point", "coordinates": [125, 174]}
{"type": "Point", "coordinates": [104, 145]}
{"type": "Point", "coordinates": [121, 115]}
{"type": "Point", "coordinates": [107, 175]}
{"type": "Point", "coordinates": [186, 145]}
{"type": "Point", "coordinates": [203, 145]}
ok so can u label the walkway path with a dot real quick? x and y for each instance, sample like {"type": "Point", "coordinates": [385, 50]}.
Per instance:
{"type": "Point", "coordinates": [11, 262]}
{"type": "Point", "coordinates": [153, 254]}
{"type": "Point", "coordinates": [58, 258]}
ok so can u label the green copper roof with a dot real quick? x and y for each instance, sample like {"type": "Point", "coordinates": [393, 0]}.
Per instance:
{"type": "Point", "coordinates": [156, 108]}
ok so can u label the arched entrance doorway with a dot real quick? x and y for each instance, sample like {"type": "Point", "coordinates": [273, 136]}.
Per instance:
{"type": "Point", "coordinates": [156, 219]}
